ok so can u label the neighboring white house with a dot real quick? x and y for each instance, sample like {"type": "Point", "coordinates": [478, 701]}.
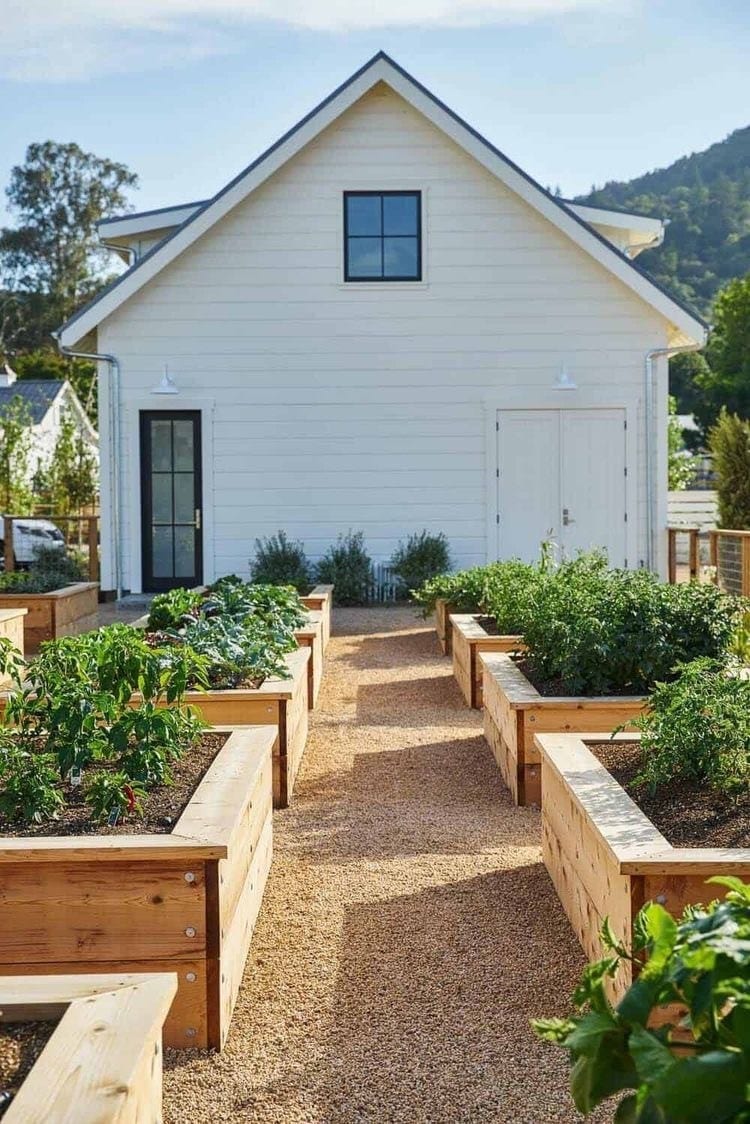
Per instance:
{"type": "Point", "coordinates": [381, 324]}
{"type": "Point", "coordinates": [48, 402]}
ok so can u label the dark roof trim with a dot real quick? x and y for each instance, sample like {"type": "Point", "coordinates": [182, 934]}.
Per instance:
{"type": "Point", "coordinates": [381, 55]}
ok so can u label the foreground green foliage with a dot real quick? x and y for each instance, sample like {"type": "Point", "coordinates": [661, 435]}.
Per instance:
{"type": "Point", "coordinates": [280, 560]}
{"type": "Point", "coordinates": [701, 963]}
{"type": "Point", "coordinates": [697, 728]}
{"type": "Point", "coordinates": [730, 445]}
{"type": "Point", "coordinates": [420, 558]}
{"type": "Point", "coordinates": [348, 567]}
{"type": "Point", "coordinates": [69, 719]}
{"type": "Point", "coordinates": [596, 631]}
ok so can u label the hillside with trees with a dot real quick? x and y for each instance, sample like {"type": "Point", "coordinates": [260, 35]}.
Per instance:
{"type": "Point", "coordinates": [706, 197]}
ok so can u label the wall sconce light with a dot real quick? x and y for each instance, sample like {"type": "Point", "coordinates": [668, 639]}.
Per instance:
{"type": "Point", "coordinates": [565, 380]}
{"type": "Point", "coordinates": [167, 384]}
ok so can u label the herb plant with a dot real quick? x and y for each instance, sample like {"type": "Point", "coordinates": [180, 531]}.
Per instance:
{"type": "Point", "coordinates": [421, 557]}
{"type": "Point", "coordinates": [281, 561]}
{"type": "Point", "coordinates": [697, 728]}
{"type": "Point", "coordinates": [696, 1073]}
{"type": "Point", "coordinates": [599, 631]}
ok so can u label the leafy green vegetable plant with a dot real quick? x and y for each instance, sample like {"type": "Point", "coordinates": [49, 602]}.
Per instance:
{"type": "Point", "coordinates": [280, 560]}
{"type": "Point", "coordinates": [421, 557]}
{"type": "Point", "coordinates": [596, 631]}
{"type": "Point", "coordinates": [697, 728]}
{"type": "Point", "coordinates": [169, 609]}
{"type": "Point", "coordinates": [694, 1073]}
{"type": "Point", "coordinates": [70, 712]}
{"type": "Point", "coordinates": [52, 568]}
{"type": "Point", "coordinates": [236, 651]}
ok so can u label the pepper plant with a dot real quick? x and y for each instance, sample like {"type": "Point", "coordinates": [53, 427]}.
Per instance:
{"type": "Point", "coordinates": [694, 1070]}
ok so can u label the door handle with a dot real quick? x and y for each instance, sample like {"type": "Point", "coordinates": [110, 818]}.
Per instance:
{"type": "Point", "coordinates": [197, 519]}
{"type": "Point", "coordinates": [566, 517]}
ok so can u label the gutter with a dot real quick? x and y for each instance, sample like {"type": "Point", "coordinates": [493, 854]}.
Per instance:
{"type": "Point", "coordinates": [650, 412]}
{"type": "Point", "coordinates": [114, 444]}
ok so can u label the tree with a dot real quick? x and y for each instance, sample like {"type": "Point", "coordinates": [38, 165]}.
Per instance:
{"type": "Point", "coordinates": [71, 478]}
{"type": "Point", "coordinates": [15, 453]}
{"type": "Point", "coordinates": [59, 194]}
{"type": "Point", "coordinates": [680, 465]}
{"type": "Point", "coordinates": [730, 444]}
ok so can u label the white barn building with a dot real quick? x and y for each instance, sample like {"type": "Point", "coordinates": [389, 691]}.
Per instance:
{"type": "Point", "coordinates": [381, 324]}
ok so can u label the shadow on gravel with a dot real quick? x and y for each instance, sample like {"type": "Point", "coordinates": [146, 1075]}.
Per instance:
{"type": "Point", "coordinates": [433, 700]}
{"type": "Point", "coordinates": [396, 649]}
{"type": "Point", "coordinates": [430, 1020]}
{"type": "Point", "coordinates": [444, 798]}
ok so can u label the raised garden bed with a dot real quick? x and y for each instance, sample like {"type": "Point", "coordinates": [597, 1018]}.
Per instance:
{"type": "Point", "coordinates": [605, 856]}
{"type": "Point", "coordinates": [311, 636]}
{"type": "Point", "coordinates": [514, 711]}
{"type": "Point", "coordinates": [102, 1060]}
{"type": "Point", "coordinates": [320, 598]}
{"type": "Point", "coordinates": [63, 612]}
{"type": "Point", "coordinates": [11, 628]}
{"type": "Point", "coordinates": [443, 613]}
{"type": "Point", "coordinates": [470, 637]}
{"type": "Point", "coordinates": [184, 901]}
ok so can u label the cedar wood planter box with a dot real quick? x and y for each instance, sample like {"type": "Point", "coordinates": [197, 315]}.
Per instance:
{"type": "Point", "coordinates": [311, 636]}
{"type": "Point", "coordinates": [320, 598]}
{"type": "Point", "coordinates": [63, 612]}
{"type": "Point", "coordinates": [603, 854]}
{"type": "Point", "coordinates": [184, 902]}
{"type": "Point", "coordinates": [103, 1062]}
{"type": "Point", "coordinates": [11, 627]}
{"type": "Point", "coordinates": [443, 612]}
{"type": "Point", "coordinates": [469, 639]}
{"type": "Point", "coordinates": [514, 712]}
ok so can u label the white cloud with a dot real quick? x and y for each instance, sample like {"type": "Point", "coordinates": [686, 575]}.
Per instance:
{"type": "Point", "coordinates": [56, 40]}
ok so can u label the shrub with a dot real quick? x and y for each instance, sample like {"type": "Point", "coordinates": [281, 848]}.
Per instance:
{"type": "Point", "coordinates": [70, 715]}
{"type": "Point", "coordinates": [281, 561]}
{"type": "Point", "coordinates": [597, 631]}
{"type": "Point", "coordinates": [509, 591]}
{"type": "Point", "coordinates": [52, 568]}
{"type": "Point", "coordinates": [729, 441]}
{"type": "Point", "coordinates": [697, 728]}
{"type": "Point", "coordinates": [701, 963]}
{"type": "Point", "coordinates": [420, 558]}
{"type": "Point", "coordinates": [348, 567]}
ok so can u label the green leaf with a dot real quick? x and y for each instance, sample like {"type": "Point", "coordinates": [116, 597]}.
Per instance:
{"type": "Point", "coordinates": [597, 1076]}
{"type": "Point", "coordinates": [709, 1088]}
{"type": "Point", "coordinates": [652, 1058]}
{"type": "Point", "coordinates": [587, 1034]}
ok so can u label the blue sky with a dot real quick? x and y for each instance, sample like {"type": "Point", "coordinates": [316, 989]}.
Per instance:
{"type": "Point", "coordinates": [187, 92]}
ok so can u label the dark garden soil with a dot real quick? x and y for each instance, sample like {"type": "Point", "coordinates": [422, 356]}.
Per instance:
{"type": "Point", "coordinates": [161, 807]}
{"type": "Point", "coordinates": [20, 1046]}
{"type": "Point", "coordinates": [489, 624]}
{"type": "Point", "coordinates": [688, 813]}
{"type": "Point", "coordinates": [555, 688]}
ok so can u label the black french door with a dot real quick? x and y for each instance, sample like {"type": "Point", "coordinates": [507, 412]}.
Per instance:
{"type": "Point", "coordinates": [171, 499]}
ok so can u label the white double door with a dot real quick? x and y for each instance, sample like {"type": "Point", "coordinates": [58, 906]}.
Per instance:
{"type": "Point", "coordinates": [561, 475]}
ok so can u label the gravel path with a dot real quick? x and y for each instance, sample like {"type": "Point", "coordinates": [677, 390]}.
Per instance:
{"type": "Point", "coordinates": [408, 931]}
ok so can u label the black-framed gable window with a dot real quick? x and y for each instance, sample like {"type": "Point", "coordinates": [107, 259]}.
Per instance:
{"type": "Point", "coordinates": [382, 236]}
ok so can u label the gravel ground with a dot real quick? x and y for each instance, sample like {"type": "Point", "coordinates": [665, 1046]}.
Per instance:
{"type": "Point", "coordinates": [408, 930]}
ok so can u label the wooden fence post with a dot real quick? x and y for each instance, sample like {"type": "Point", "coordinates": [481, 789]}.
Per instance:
{"type": "Point", "coordinates": [694, 552]}
{"type": "Point", "coordinates": [671, 555]}
{"type": "Point", "coordinates": [10, 558]}
{"type": "Point", "coordinates": [93, 538]}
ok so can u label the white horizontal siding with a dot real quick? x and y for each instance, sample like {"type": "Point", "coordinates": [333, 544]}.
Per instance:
{"type": "Point", "coordinates": [361, 406]}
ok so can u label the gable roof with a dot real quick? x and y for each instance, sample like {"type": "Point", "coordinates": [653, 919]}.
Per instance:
{"type": "Point", "coordinates": [38, 394]}
{"type": "Point", "coordinates": [687, 326]}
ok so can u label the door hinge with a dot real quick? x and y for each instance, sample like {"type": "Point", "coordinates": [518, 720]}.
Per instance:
{"type": "Point", "coordinates": [625, 470]}
{"type": "Point", "coordinates": [625, 424]}
{"type": "Point", "coordinates": [497, 427]}
{"type": "Point", "coordinates": [626, 516]}
{"type": "Point", "coordinates": [497, 519]}
{"type": "Point", "coordinates": [497, 473]}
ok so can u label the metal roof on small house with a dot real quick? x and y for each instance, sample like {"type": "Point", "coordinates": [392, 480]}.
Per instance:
{"type": "Point", "coordinates": [38, 394]}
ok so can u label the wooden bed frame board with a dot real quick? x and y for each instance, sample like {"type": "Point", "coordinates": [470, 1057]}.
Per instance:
{"type": "Point", "coordinates": [311, 636]}
{"type": "Point", "coordinates": [514, 712]}
{"type": "Point", "coordinates": [11, 628]}
{"type": "Point", "coordinates": [603, 854]}
{"type": "Point", "coordinates": [63, 612]}
{"type": "Point", "coordinates": [184, 902]}
{"type": "Point", "coordinates": [320, 598]}
{"type": "Point", "coordinates": [469, 640]}
{"type": "Point", "coordinates": [103, 1062]}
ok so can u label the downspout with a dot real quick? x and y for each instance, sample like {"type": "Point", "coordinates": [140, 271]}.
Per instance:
{"type": "Point", "coordinates": [654, 353]}
{"type": "Point", "coordinates": [114, 444]}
